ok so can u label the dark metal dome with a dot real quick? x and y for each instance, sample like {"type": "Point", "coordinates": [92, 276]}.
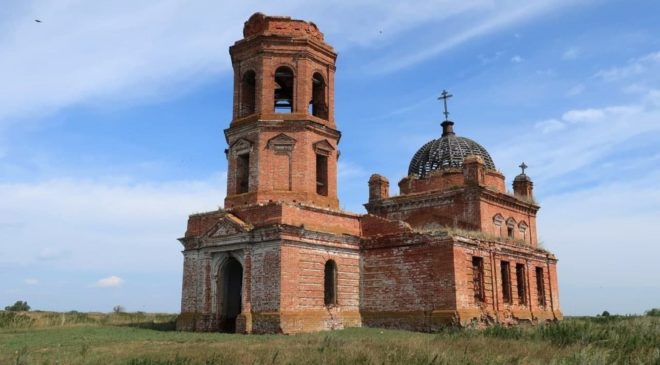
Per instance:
{"type": "Point", "coordinates": [447, 152]}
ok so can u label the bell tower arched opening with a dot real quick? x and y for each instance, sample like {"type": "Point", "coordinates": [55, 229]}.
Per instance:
{"type": "Point", "coordinates": [318, 106]}
{"type": "Point", "coordinates": [248, 94]}
{"type": "Point", "coordinates": [283, 93]}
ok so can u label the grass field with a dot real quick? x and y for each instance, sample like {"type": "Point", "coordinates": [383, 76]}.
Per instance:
{"type": "Point", "coordinates": [149, 339]}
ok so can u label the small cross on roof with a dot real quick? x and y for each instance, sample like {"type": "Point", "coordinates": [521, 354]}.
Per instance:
{"type": "Point", "coordinates": [444, 96]}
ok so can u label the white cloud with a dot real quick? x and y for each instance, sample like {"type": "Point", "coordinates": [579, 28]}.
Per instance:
{"type": "Point", "coordinates": [101, 225]}
{"type": "Point", "coordinates": [86, 52]}
{"type": "Point", "coordinates": [550, 125]}
{"type": "Point", "coordinates": [349, 170]}
{"type": "Point", "coordinates": [635, 67]}
{"type": "Point", "coordinates": [588, 135]}
{"type": "Point", "coordinates": [653, 97]}
{"type": "Point", "coordinates": [598, 234]}
{"type": "Point", "coordinates": [486, 59]}
{"type": "Point", "coordinates": [489, 19]}
{"type": "Point", "coordinates": [109, 282]}
{"type": "Point", "coordinates": [598, 114]}
{"type": "Point", "coordinates": [50, 254]}
{"type": "Point", "coordinates": [31, 281]}
{"type": "Point", "coordinates": [576, 90]}
{"type": "Point", "coordinates": [571, 53]}
{"type": "Point", "coordinates": [82, 51]}
{"type": "Point", "coordinates": [585, 115]}
{"type": "Point", "coordinates": [517, 59]}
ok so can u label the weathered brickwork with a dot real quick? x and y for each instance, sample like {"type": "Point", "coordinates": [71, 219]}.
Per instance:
{"type": "Point", "coordinates": [453, 248]}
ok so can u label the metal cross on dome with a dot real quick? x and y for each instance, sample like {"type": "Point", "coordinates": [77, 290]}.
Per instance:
{"type": "Point", "coordinates": [444, 96]}
{"type": "Point", "coordinates": [523, 167]}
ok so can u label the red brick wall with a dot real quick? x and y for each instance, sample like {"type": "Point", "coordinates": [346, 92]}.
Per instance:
{"type": "Point", "coordinates": [265, 283]}
{"type": "Point", "coordinates": [312, 218]}
{"type": "Point", "coordinates": [434, 210]}
{"type": "Point", "coordinates": [303, 274]}
{"type": "Point", "coordinates": [403, 284]}
{"type": "Point", "coordinates": [448, 179]}
{"type": "Point", "coordinates": [271, 171]}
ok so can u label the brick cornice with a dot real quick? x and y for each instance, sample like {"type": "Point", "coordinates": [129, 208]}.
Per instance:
{"type": "Point", "coordinates": [413, 201]}
{"type": "Point", "coordinates": [255, 43]}
{"type": "Point", "coordinates": [508, 201]}
{"type": "Point", "coordinates": [255, 124]}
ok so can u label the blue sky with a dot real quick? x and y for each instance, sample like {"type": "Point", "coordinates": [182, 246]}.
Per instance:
{"type": "Point", "coordinates": [111, 119]}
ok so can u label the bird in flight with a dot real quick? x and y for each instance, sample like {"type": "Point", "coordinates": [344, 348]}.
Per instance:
{"type": "Point", "coordinates": [37, 20]}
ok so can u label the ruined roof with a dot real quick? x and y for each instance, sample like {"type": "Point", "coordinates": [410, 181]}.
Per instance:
{"type": "Point", "coordinates": [447, 152]}
{"type": "Point", "coordinates": [260, 23]}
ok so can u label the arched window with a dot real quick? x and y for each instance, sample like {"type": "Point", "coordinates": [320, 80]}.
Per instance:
{"type": "Point", "coordinates": [318, 106]}
{"type": "Point", "coordinates": [248, 94]}
{"type": "Point", "coordinates": [283, 90]}
{"type": "Point", "coordinates": [330, 283]}
{"type": "Point", "coordinates": [498, 220]}
{"type": "Point", "coordinates": [510, 225]}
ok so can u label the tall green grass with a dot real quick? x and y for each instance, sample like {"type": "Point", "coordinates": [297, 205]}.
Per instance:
{"type": "Point", "coordinates": [149, 339]}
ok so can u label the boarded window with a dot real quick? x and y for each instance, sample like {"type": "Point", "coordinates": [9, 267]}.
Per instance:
{"type": "Point", "coordinates": [283, 93]}
{"type": "Point", "coordinates": [540, 286]}
{"type": "Point", "coordinates": [522, 228]}
{"type": "Point", "coordinates": [506, 281]}
{"type": "Point", "coordinates": [478, 278]}
{"type": "Point", "coordinates": [317, 105]}
{"type": "Point", "coordinates": [248, 94]}
{"type": "Point", "coordinates": [510, 225]}
{"type": "Point", "coordinates": [322, 175]}
{"type": "Point", "coordinates": [242, 173]}
{"type": "Point", "coordinates": [330, 283]}
{"type": "Point", "coordinates": [520, 282]}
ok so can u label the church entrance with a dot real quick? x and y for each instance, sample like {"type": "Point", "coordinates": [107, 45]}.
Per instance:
{"type": "Point", "coordinates": [231, 284]}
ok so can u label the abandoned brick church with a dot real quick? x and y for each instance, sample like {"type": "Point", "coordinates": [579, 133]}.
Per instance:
{"type": "Point", "coordinates": [453, 248]}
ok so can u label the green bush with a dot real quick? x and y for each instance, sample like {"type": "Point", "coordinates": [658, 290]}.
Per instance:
{"type": "Point", "coordinates": [654, 312]}
{"type": "Point", "coordinates": [19, 306]}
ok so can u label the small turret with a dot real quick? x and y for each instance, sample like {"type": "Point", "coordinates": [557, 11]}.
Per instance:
{"type": "Point", "coordinates": [379, 188]}
{"type": "Point", "coordinates": [522, 184]}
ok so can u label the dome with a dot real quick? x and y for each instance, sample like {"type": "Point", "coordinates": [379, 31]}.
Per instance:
{"type": "Point", "coordinates": [447, 152]}
{"type": "Point", "coordinates": [522, 177]}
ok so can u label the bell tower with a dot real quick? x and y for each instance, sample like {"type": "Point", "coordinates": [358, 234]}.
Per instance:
{"type": "Point", "coordinates": [282, 137]}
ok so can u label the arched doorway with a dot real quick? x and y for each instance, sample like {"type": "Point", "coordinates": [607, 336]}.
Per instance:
{"type": "Point", "coordinates": [230, 282]}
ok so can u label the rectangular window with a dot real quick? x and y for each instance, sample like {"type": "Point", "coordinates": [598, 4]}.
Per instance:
{"type": "Point", "coordinates": [478, 278]}
{"type": "Point", "coordinates": [322, 175]}
{"type": "Point", "coordinates": [540, 286]}
{"type": "Point", "coordinates": [506, 281]}
{"type": "Point", "coordinates": [520, 282]}
{"type": "Point", "coordinates": [242, 173]}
